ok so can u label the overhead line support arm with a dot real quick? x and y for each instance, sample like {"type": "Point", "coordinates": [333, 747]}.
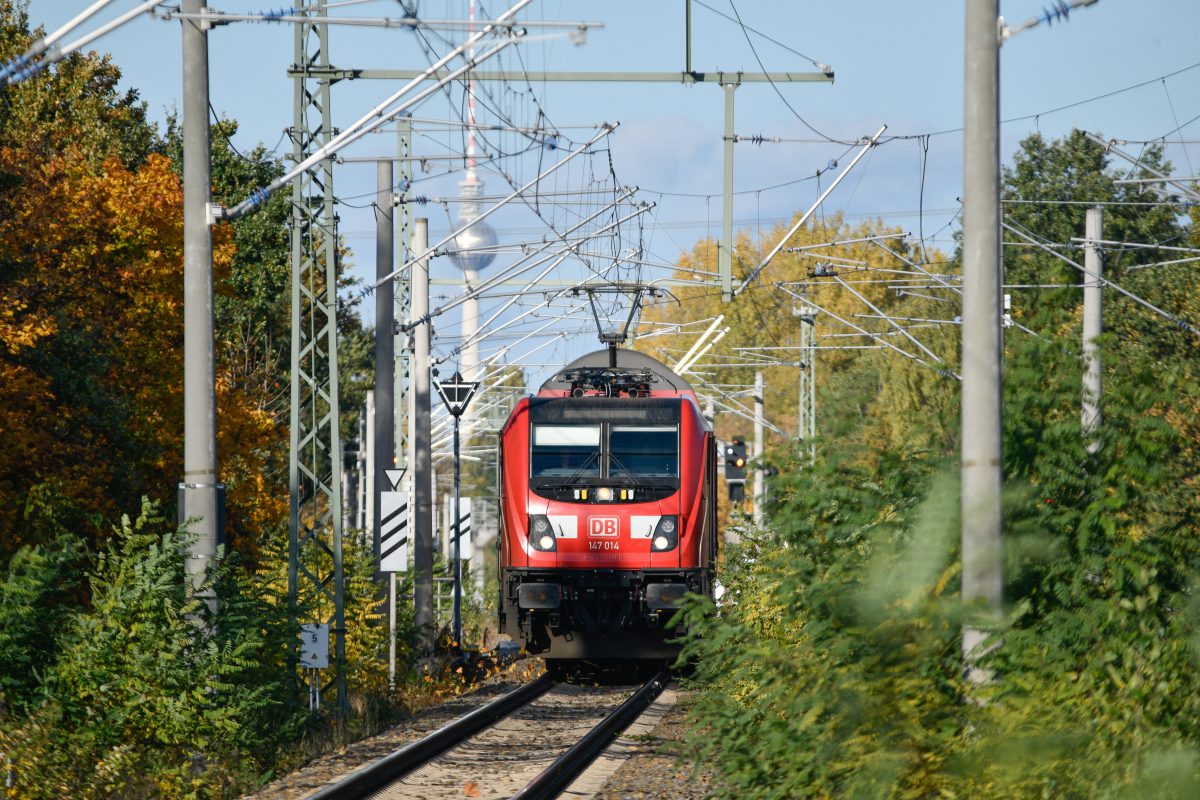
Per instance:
{"type": "Point", "coordinates": [719, 77]}
{"type": "Point", "coordinates": [866, 147]}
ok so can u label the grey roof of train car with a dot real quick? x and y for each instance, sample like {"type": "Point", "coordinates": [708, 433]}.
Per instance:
{"type": "Point", "coordinates": [626, 359]}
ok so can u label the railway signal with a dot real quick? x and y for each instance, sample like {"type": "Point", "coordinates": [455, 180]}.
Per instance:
{"type": "Point", "coordinates": [735, 470]}
{"type": "Point", "coordinates": [456, 393]}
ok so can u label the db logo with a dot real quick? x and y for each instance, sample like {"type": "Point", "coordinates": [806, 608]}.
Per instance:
{"type": "Point", "coordinates": [602, 526]}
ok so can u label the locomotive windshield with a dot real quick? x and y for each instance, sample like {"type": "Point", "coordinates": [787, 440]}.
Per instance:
{"type": "Point", "coordinates": [580, 443]}
{"type": "Point", "coordinates": [628, 452]}
{"type": "Point", "coordinates": [642, 452]}
{"type": "Point", "coordinates": [565, 451]}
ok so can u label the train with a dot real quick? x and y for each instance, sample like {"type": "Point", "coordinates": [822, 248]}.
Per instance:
{"type": "Point", "coordinates": [608, 511]}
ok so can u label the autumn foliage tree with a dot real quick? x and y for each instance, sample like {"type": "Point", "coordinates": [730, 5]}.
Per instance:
{"type": "Point", "coordinates": [91, 327]}
{"type": "Point", "coordinates": [90, 253]}
{"type": "Point", "coordinates": [906, 398]}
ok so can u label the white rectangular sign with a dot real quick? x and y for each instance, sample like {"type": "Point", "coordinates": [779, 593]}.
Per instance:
{"type": "Point", "coordinates": [466, 540]}
{"type": "Point", "coordinates": [393, 531]}
{"type": "Point", "coordinates": [314, 646]}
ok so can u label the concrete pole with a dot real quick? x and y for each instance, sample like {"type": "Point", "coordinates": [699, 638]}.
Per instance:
{"type": "Point", "coordinates": [370, 476]}
{"type": "Point", "coordinates": [806, 415]}
{"type": "Point", "coordinates": [363, 463]}
{"type": "Point", "coordinates": [758, 448]}
{"type": "Point", "coordinates": [725, 251]}
{"type": "Point", "coordinates": [201, 495]}
{"type": "Point", "coordinates": [1093, 325]}
{"type": "Point", "coordinates": [687, 61]}
{"type": "Point", "coordinates": [402, 343]}
{"type": "Point", "coordinates": [422, 461]}
{"type": "Point", "coordinates": [982, 465]}
{"type": "Point", "coordinates": [385, 357]}
{"type": "Point", "coordinates": [470, 352]}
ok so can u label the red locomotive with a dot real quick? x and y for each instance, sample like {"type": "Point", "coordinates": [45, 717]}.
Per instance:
{"type": "Point", "coordinates": [607, 510]}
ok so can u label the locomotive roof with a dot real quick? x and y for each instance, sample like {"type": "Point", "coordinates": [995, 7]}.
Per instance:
{"type": "Point", "coordinates": [626, 359]}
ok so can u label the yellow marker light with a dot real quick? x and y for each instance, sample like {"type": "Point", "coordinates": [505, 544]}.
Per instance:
{"type": "Point", "coordinates": [583, 494]}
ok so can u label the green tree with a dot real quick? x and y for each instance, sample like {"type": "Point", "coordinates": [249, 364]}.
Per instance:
{"type": "Point", "coordinates": [840, 643]}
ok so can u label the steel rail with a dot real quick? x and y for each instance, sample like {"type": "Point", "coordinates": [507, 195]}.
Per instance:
{"type": "Point", "coordinates": [380, 773]}
{"type": "Point", "coordinates": [558, 776]}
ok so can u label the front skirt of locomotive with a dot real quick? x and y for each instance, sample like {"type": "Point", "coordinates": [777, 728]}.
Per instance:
{"type": "Point", "coordinates": [597, 614]}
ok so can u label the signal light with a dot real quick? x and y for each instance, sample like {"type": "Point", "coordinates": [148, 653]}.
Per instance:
{"type": "Point", "coordinates": [735, 460]}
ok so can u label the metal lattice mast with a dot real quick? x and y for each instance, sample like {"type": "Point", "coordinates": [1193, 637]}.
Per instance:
{"type": "Point", "coordinates": [315, 577]}
{"type": "Point", "coordinates": [807, 416]}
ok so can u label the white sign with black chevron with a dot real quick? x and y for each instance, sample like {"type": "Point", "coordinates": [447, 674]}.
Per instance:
{"type": "Point", "coordinates": [393, 531]}
{"type": "Point", "coordinates": [463, 531]}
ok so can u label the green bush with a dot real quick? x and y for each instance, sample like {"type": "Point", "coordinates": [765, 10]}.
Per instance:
{"type": "Point", "coordinates": [144, 692]}
{"type": "Point", "coordinates": [832, 667]}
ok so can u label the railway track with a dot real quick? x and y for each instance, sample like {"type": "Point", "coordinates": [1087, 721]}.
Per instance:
{"type": "Point", "coordinates": [529, 744]}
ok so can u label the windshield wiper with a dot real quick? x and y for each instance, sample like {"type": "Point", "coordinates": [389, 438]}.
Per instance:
{"type": "Point", "coordinates": [628, 472]}
{"type": "Point", "coordinates": [579, 472]}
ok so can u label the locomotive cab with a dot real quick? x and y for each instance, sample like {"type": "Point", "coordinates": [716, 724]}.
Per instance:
{"type": "Point", "coordinates": [607, 499]}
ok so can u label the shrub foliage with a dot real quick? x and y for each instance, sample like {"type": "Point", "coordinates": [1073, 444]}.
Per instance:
{"type": "Point", "coordinates": [831, 667]}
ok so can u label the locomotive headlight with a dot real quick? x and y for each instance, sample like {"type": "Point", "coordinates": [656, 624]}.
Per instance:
{"type": "Point", "coordinates": [666, 534]}
{"type": "Point", "coordinates": [604, 494]}
{"type": "Point", "coordinates": [541, 534]}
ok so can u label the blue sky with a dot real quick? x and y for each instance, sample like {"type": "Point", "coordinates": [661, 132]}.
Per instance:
{"type": "Point", "coordinates": [896, 63]}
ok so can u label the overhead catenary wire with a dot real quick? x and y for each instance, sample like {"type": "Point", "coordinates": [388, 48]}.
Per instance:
{"type": "Point", "coordinates": [40, 46]}
{"type": "Point", "coordinates": [42, 55]}
{"type": "Point", "coordinates": [784, 100]}
{"type": "Point", "coordinates": [291, 16]}
{"type": "Point", "coordinates": [512, 270]}
{"type": "Point", "coordinates": [1181, 323]}
{"type": "Point", "coordinates": [384, 112]}
{"type": "Point", "coordinates": [1066, 107]}
{"type": "Point", "coordinates": [483, 215]}
{"type": "Point", "coordinates": [866, 146]}
{"type": "Point", "coordinates": [890, 321]}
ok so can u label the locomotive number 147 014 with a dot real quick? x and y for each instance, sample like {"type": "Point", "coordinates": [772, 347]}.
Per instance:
{"type": "Point", "coordinates": [604, 545]}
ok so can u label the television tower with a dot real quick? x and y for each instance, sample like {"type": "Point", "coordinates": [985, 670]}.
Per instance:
{"type": "Point", "coordinates": [473, 248]}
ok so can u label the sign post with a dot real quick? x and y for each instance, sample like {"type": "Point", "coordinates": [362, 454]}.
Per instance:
{"type": "Point", "coordinates": [314, 656]}
{"type": "Point", "coordinates": [456, 393]}
{"type": "Point", "coordinates": [394, 536]}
